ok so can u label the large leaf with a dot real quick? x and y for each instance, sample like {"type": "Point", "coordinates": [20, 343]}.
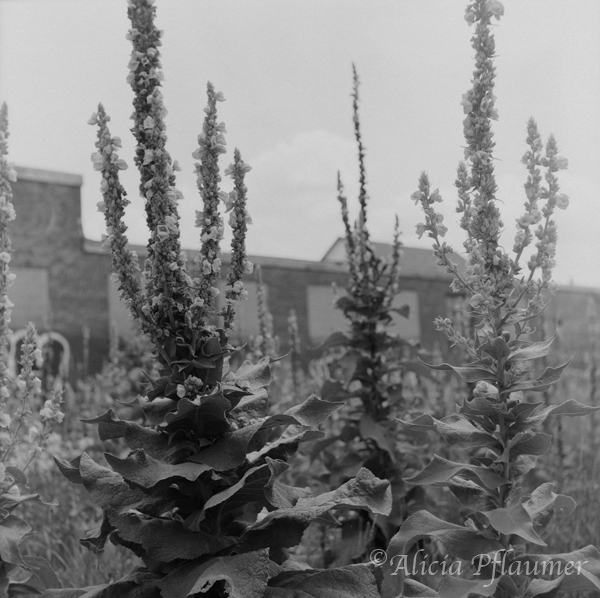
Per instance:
{"type": "Point", "coordinates": [245, 576]}
{"type": "Point", "coordinates": [458, 540]}
{"type": "Point", "coordinates": [531, 351]}
{"type": "Point", "coordinates": [543, 503]}
{"type": "Point", "coordinates": [526, 443]}
{"type": "Point", "coordinates": [313, 412]}
{"type": "Point", "coordinates": [549, 377]}
{"type": "Point", "coordinates": [208, 418]}
{"type": "Point", "coordinates": [440, 470]}
{"type": "Point", "coordinates": [249, 489]}
{"type": "Point", "coordinates": [456, 430]}
{"type": "Point", "coordinates": [414, 589]}
{"type": "Point", "coordinates": [456, 587]}
{"type": "Point", "coordinates": [352, 581]}
{"type": "Point", "coordinates": [254, 376]}
{"type": "Point", "coordinates": [165, 539]}
{"type": "Point", "coordinates": [284, 527]}
{"type": "Point", "coordinates": [378, 433]}
{"type": "Point", "coordinates": [231, 451]}
{"type": "Point", "coordinates": [12, 532]}
{"type": "Point", "coordinates": [470, 494]}
{"type": "Point", "coordinates": [514, 520]}
{"type": "Point", "coordinates": [581, 568]}
{"type": "Point", "coordinates": [141, 469]}
{"type": "Point", "coordinates": [469, 373]}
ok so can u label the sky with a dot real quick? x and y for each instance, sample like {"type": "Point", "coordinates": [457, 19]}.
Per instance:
{"type": "Point", "coordinates": [285, 69]}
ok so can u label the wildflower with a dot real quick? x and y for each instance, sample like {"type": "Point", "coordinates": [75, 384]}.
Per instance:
{"type": "Point", "coordinates": [562, 201]}
{"type": "Point", "coordinates": [210, 143]}
{"type": "Point", "coordinates": [561, 163]}
{"type": "Point", "coordinates": [5, 420]}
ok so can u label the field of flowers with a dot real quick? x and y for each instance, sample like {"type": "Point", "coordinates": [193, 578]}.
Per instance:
{"type": "Point", "coordinates": [192, 467]}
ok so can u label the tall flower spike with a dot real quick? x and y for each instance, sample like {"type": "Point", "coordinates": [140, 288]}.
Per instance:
{"type": "Point", "coordinates": [484, 221]}
{"type": "Point", "coordinates": [235, 204]}
{"type": "Point", "coordinates": [350, 240]}
{"type": "Point", "coordinates": [211, 143]}
{"type": "Point", "coordinates": [7, 215]}
{"type": "Point", "coordinates": [125, 265]}
{"type": "Point", "coordinates": [265, 344]}
{"type": "Point", "coordinates": [363, 233]}
{"type": "Point", "coordinates": [167, 285]}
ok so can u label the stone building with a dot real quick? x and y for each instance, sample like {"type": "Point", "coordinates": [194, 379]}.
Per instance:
{"type": "Point", "coordinates": [64, 285]}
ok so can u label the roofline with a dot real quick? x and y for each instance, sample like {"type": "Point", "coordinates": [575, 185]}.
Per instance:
{"type": "Point", "coordinates": [90, 246]}
{"type": "Point", "coordinates": [38, 175]}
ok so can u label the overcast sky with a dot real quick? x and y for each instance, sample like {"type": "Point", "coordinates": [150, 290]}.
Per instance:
{"type": "Point", "coordinates": [285, 70]}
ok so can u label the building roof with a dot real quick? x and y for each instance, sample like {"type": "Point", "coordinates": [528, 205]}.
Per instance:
{"type": "Point", "coordinates": [415, 261]}
{"type": "Point", "coordinates": [37, 175]}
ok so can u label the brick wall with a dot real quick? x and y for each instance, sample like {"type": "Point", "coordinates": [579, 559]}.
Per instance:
{"type": "Point", "coordinates": [48, 241]}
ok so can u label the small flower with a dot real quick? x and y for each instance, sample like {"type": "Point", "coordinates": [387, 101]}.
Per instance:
{"type": "Point", "coordinates": [495, 8]}
{"type": "Point", "coordinates": [421, 229]}
{"type": "Point", "coordinates": [416, 197]}
{"type": "Point", "coordinates": [562, 201]}
{"type": "Point", "coordinates": [435, 196]}
{"type": "Point", "coordinates": [561, 163]}
{"type": "Point", "coordinates": [5, 420]}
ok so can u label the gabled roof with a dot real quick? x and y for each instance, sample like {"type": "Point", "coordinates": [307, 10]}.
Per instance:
{"type": "Point", "coordinates": [415, 261]}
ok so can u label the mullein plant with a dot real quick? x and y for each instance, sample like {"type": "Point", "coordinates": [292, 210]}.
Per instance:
{"type": "Point", "coordinates": [368, 368]}
{"type": "Point", "coordinates": [265, 344]}
{"type": "Point", "coordinates": [505, 293]}
{"type": "Point", "coordinates": [23, 431]}
{"type": "Point", "coordinates": [197, 497]}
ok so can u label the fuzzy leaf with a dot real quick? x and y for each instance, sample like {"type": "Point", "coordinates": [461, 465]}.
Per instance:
{"type": "Point", "coordinates": [206, 419]}
{"type": "Point", "coordinates": [70, 469]}
{"type": "Point", "coordinates": [109, 425]}
{"type": "Point", "coordinates": [245, 575]}
{"type": "Point", "coordinates": [12, 532]}
{"type": "Point", "coordinates": [414, 589]}
{"type": "Point", "coordinates": [587, 577]}
{"type": "Point", "coordinates": [531, 351]}
{"type": "Point", "coordinates": [543, 503]}
{"type": "Point", "coordinates": [165, 539]}
{"type": "Point", "coordinates": [456, 587]}
{"type": "Point", "coordinates": [544, 588]}
{"type": "Point", "coordinates": [467, 373]}
{"type": "Point", "coordinates": [470, 494]}
{"type": "Point", "coordinates": [108, 488]}
{"type": "Point", "coordinates": [141, 469]}
{"type": "Point", "coordinates": [545, 381]}
{"type": "Point", "coordinates": [454, 429]}
{"type": "Point", "coordinates": [313, 412]}
{"type": "Point", "coordinates": [253, 377]}
{"type": "Point", "coordinates": [514, 520]}
{"type": "Point", "coordinates": [458, 540]}
{"type": "Point", "coordinates": [250, 488]}
{"type": "Point", "coordinates": [157, 409]}
{"type": "Point", "coordinates": [42, 569]}
{"type": "Point", "coordinates": [496, 347]}
{"type": "Point", "coordinates": [370, 429]}
{"type": "Point", "coordinates": [284, 527]}
{"type": "Point", "coordinates": [526, 443]}
{"type": "Point", "coordinates": [440, 470]}
{"type": "Point", "coordinates": [351, 581]}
